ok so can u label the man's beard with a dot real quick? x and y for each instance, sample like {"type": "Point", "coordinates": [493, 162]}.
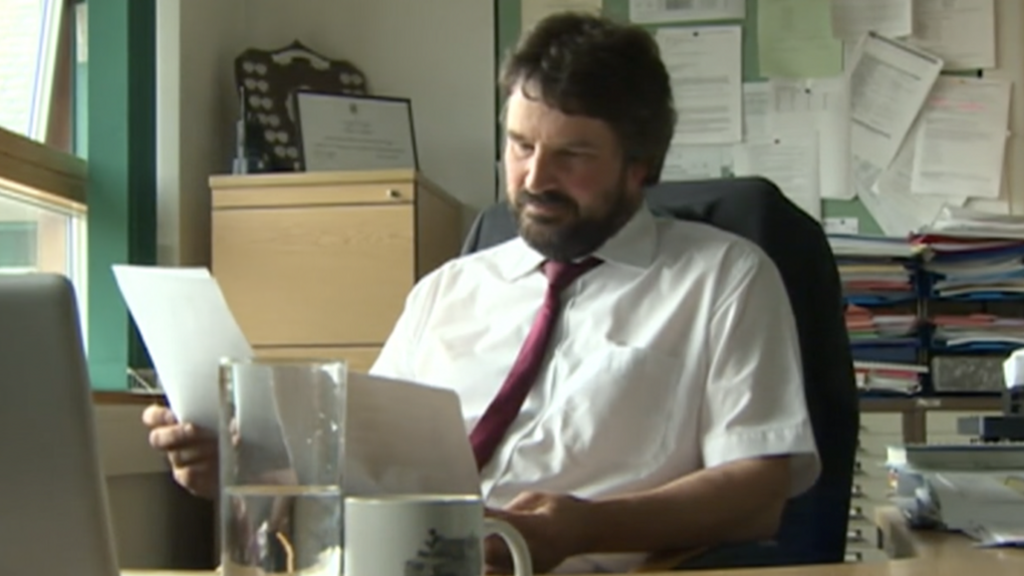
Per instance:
{"type": "Point", "coordinates": [570, 234]}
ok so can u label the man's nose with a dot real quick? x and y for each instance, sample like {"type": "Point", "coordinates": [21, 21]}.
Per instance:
{"type": "Point", "coordinates": [539, 172]}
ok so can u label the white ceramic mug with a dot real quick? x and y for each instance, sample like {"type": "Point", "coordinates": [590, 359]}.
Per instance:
{"type": "Point", "coordinates": [424, 535]}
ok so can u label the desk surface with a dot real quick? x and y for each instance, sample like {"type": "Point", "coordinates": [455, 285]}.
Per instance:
{"type": "Point", "coordinates": [918, 553]}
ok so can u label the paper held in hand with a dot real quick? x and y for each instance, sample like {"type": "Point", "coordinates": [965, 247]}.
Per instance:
{"type": "Point", "coordinates": [400, 436]}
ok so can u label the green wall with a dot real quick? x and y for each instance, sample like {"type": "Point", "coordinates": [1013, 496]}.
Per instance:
{"type": "Point", "coordinates": [508, 27]}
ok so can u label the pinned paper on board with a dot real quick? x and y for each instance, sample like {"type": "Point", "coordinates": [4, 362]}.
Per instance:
{"type": "Point", "coordinates": [533, 11]}
{"type": "Point", "coordinates": [795, 39]}
{"type": "Point", "coordinates": [852, 19]}
{"type": "Point", "coordinates": [961, 138]}
{"type": "Point", "coordinates": [961, 32]}
{"type": "Point", "coordinates": [789, 160]}
{"type": "Point", "coordinates": [665, 11]}
{"type": "Point", "coordinates": [705, 65]}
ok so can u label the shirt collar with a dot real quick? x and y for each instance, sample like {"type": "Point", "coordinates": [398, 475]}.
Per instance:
{"type": "Point", "coordinates": [634, 245]}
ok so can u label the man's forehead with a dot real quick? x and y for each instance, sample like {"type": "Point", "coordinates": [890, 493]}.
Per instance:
{"type": "Point", "coordinates": [529, 117]}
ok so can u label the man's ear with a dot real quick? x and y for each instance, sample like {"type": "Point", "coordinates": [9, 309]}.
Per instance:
{"type": "Point", "coordinates": [636, 174]}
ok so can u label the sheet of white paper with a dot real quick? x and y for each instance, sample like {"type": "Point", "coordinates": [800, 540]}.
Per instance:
{"type": "Point", "coordinates": [852, 19]}
{"type": "Point", "coordinates": [849, 54]}
{"type": "Point", "coordinates": [187, 328]}
{"type": "Point", "coordinates": [961, 32]}
{"type": "Point", "coordinates": [399, 437]}
{"type": "Point", "coordinates": [889, 83]}
{"type": "Point", "coordinates": [758, 106]}
{"type": "Point", "coordinates": [891, 202]}
{"type": "Point", "coordinates": [887, 217]}
{"type": "Point", "coordinates": [533, 11]}
{"type": "Point", "coordinates": [705, 64]}
{"type": "Point", "coordinates": [661, 11]}
{"type": "Point", "coordinates": [404, 437]}
{"type": "Point", "coordinates": [999, 206]}
{"type": "Point", "coordinates": [790, 161]}
{"type": "Point", "coordinates": [825, 104]}
{"type": "Point", "coordinates": [697, 162]}
{"type": "Point", "coordinates": [961, 138]}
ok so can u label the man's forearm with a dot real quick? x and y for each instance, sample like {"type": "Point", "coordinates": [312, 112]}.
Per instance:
{"type": "Point", "coordinates": [740, 501]}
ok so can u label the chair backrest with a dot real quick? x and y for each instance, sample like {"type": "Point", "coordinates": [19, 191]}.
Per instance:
{"type": "Point", "coordinates": [814, 524]}
{"type": "Point", "coordinates": [53, 505]}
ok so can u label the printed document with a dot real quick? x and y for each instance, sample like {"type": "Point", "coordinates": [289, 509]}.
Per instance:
{"type": "Point", "coordinates": [961, 32]}
{"type": "Point", "coordinates": [697, 162]}
{"type": "Point", "coordinates": [662, 11]}
{"type": "Point", "coordinates": [961, 138]}
{"type": "Point", "coordinates": [790, 161]}
{"type": "Point", "coordinates": [705, 65]}
{"type": "Point", "coordinates": [889, 82]}
{"type": "Point", "coordinates": [758, 107]}
{"type": "Point", "coordinates": [852, 19]}
{"type": "Point", "coordinates": [824, 104]}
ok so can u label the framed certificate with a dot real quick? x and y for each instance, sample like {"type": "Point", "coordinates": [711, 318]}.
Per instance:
{"type": "Point", "coordinates": [355, 132]}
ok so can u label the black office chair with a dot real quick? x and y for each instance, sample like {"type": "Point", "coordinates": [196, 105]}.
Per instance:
{"type": "Point", "coordinates": [813, 528]}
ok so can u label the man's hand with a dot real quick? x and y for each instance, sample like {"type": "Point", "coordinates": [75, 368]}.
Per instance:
{"type": "Point", "coordinates": [191, 452]}
{"type": "Point", "coordinates": [552, 525]}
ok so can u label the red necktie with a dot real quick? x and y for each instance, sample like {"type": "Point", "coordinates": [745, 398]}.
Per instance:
{"type": "Point", "coordinates": [504, 408]}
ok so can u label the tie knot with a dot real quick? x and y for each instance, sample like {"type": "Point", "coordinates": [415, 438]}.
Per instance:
{"type": "Point", "coordinates": [562, 274]}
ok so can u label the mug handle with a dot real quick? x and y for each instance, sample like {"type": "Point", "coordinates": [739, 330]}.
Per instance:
{"type": "Point", "coordinates": [521, 560]}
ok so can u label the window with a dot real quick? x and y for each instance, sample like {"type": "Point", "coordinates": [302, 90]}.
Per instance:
{"type": "Point", "coordinates": [41, 237]}
{"type": "Point", "coordinates": [37, 69]}
{"type": "Point", "coordinates": [42, 185]}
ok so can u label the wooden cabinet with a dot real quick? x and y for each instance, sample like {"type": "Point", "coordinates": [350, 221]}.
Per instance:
{"type": "Point", "coordinates": [319, 264]}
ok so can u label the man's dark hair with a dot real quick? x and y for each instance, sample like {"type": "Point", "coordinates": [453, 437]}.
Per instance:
{"type": "Point", "coordinates": [587, 65]}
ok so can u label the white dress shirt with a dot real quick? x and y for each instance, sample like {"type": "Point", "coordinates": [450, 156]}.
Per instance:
{"type": "Point", "coordinates": [678, 353]}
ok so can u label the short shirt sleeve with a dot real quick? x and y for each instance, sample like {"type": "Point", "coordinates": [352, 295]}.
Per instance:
{"type": "Point", "coordinates": [754, 403]}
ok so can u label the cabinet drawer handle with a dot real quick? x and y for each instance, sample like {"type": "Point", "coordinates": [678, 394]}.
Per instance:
{"type": "Point", "coordinates": [856, 513]}
{"type": "Point", "coordinates": [857, 491]}
{"type": "Point", "coordinates": [854, 557]}
{"type": "Point", "coordinates": [855, 535]}
{"type": "Point", "coordinates": [394, 194]}
{"type": "Point", "coordinates": [858, 468]}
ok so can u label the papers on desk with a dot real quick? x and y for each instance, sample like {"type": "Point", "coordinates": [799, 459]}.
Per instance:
{"type": "Point", "coordinates": [975, 489]}
{"type": "Point", "coordinates": [966, 227]}
{"type": "Point", "coordinates": [399, 436]}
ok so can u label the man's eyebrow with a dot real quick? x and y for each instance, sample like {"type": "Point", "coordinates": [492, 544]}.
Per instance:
{"type": "Point", "coordinates": [577, 144]}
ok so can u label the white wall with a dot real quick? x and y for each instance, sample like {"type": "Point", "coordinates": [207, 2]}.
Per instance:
{"type": "Point", "coordinates": [1010, 65]}
{"type": "Point", "coordinates": [197, 41]}
{"type": "Point", "coordinates": [439, 53]}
